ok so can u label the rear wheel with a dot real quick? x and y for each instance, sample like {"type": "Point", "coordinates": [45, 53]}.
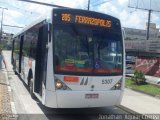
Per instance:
{"type": "Point", "coordinates": [30, 84]}
{"type": "Point", "coordinates": [31, 90]}
{"type": "Point", "coordinates": [15, 72]}
{"type": "Point", "coordinates": [14, 68]}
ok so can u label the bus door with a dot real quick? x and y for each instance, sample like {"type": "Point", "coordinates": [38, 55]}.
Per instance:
{"type": "Point", "coordinates": [12, 56]}
{"type": "Point", "coordinates": [20, 54]}
{"type": "Point", "coordinates": [41, 59]}
{"type": "Point", "coordinates": [22, 58]}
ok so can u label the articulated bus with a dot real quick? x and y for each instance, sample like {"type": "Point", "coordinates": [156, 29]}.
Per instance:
{"type": "Point", "coordinates": [72, 59]}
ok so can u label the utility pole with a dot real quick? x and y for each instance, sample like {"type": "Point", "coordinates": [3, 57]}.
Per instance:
{"type": "Point", "coordinates": [2, 23]}
{"type": "Point", "coordinates": [88, 5]}
{"type": "Point", "coordinates": [148, 26]}
{"type": "Point", "coordinates": [41, 3]}
{"type": "Point", "coordinates": [149, 16]}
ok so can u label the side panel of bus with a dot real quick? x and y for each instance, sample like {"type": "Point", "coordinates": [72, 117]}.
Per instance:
{"type": "Point", "coordinates": [41, 59]}
{"type": "Point", "coordinates": [30, 55]}
{"type": "Point", "coordinates": [12, 60]}
{"type": "Point", "coordinates": [16, 59]}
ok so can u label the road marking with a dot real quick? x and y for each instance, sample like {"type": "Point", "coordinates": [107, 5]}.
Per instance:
{"type": "Point", "coordinates": [9, 89]}
{"type": "Point", "coordinates": [14, 112]}
{"type": "Point", "coordinates": [13, 108]}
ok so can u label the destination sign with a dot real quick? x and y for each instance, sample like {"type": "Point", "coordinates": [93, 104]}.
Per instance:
{"type": "Point", "coordinates": [80, 19]}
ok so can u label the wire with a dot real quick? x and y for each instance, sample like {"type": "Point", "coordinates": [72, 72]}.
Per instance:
{"type": "Point", "coordinates": [129, 3]}
{"type": "Point", "coordinates": [157, 5]}
{"type": "Point", "coordinates": [143, 4]}
{"type": "Point", "coordinates": [95, 2]}
{"type": "Point", "coordinates": [133, 11]}
{"type": "Point", "coordinates": [19, 8]}
{"type": "Point", "coordinates": [137, 4]}
{"type": "Point", "coordinates": [102, 2]}
{"type": "Point", "coordinates": [12, 26]}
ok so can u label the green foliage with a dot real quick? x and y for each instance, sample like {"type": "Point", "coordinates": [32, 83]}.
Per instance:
{"type": "Point", "coordinates": [146, 88]}
{"type": "Point", "coordinates": [1, 46]}
{"type": "Point", "coordinates": [139, 77]}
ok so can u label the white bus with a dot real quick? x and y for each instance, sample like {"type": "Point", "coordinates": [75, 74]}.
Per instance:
{"type": "Point", "coordinates": [72, 59]}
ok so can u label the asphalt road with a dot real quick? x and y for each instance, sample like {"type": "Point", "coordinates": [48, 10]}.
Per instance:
{"type": "Point", "coordinates": [29, 109]}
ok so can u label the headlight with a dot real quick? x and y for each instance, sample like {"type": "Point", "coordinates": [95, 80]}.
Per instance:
{"type": "Point", "coordinates": [59, 84]}
{"type": "Point", "coordinates": [118, 85]}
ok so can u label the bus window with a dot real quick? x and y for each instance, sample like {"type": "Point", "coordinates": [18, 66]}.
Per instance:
{"type": "Point", "coordinates": [85, 50]}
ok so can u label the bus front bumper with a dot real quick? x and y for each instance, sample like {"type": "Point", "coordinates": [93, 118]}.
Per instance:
{"type": "Point", "coordinates": [77, 99]}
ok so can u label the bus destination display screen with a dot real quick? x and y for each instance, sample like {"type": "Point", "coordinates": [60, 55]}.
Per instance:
{"type": "Point", "coordinates": [86, 20]}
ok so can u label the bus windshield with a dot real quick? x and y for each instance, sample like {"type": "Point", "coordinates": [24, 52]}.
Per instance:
{"type": "Point", "coordinates": [87, 50]}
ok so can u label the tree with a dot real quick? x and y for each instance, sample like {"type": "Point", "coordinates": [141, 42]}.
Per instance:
{"type": "Point", "coordinates": [139, 77]}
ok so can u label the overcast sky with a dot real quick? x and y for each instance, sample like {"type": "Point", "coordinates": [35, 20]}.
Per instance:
{"type": "Point", "coordinates": [23, 13]}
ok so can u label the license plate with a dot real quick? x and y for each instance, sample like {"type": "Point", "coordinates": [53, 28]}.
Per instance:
{"type": "Point", "coordinates": [91, 96]}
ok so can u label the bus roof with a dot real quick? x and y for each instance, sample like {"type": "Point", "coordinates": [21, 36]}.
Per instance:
{"type": "Point", "coordinates": [48, 18]}
{"type": "Point", "coordinates": [82, 10]}
{"type": "Point", "coordinates": [31, 25]}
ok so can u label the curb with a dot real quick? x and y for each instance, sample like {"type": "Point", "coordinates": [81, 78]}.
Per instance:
{"type": "Point", "coordinates": [134, 113]}
{"type": "Point", "coordinates": [127, 109]}
{"type": "Point", "coordinates": [157, 85]}
{"type": "Point", "coordinates": [155, 96]}
{"type": "Point", "coordinates": [12, 103]}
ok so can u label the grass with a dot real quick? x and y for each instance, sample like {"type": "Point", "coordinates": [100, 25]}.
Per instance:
{"type": "Point", "coordinates": [1, 45]}
{"type": "Point", "coordinates": [147, 88]}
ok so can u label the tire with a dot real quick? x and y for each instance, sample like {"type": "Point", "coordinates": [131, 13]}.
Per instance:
{"type": "Point", "coordinates": [31, 90]}
{"type": "Point", "coordinates": [15, 73]}
{"type": "Point", "coordinates": [14, 69]}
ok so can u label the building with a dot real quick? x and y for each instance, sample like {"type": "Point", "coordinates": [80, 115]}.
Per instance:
{"type": "Point", "coordinates": [147, 52]}
{"type": "Point", "coordinates": [135, 40]}
{"type": "Point", "coordinates": [140, 34]}
{"type": "Point", "coordinates": [6, 40]}
{"type": "Point", "coordinates": [7, 37]}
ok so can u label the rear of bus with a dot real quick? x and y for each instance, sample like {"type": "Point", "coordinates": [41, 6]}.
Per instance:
{"type": "Point", "coordinates": [88, 60]}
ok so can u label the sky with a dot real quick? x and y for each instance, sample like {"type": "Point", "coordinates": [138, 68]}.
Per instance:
{"type": "Point", "coordinates": [22, 13]}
